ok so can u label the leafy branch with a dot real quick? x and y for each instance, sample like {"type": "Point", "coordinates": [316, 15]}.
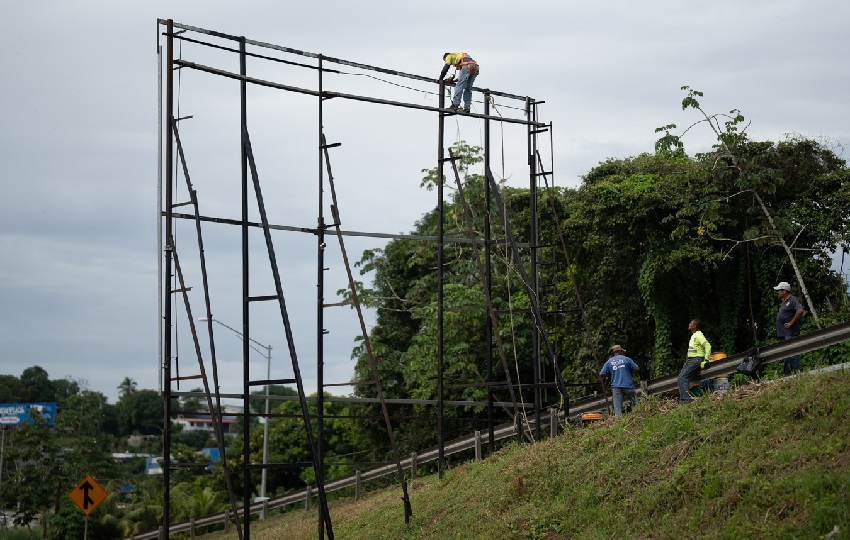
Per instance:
{"type": "Point", "coordinates": [730, 135]}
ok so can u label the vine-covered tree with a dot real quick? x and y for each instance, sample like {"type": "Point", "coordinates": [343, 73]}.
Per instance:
{"type": "Point", "coordinates": [653, 242]}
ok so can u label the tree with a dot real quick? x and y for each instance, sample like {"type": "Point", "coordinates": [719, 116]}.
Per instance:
{"type": "Point", "coordinates": [127, 387]}
{"type": "Point", "coordinates": [12, 390]}
{"type": "Point", "coordinates": [145, 510]}
{"type": "Point", "coordinates": [140, 412]}
{"type": "Point", "coordinates": [776, 178]}
{"type": "Point", "coordinates": [192, 501]}
{"type": "Point", "coordinates": [288, 444]}
{"type": "Point", "coordinates": [87, 446]}
{"type": "Point", "coordinates": [661, 239]}
{"type": "Point", "coordinates": [38, 385]}
{"type": "Point", "coordinates": [33, 471]}
{"type": "Point", "coordinates": [63, 389]}
{"type": "Point", "coordinates": [258, 397]}
{"type": "Point", "coordinates": [192, 405]}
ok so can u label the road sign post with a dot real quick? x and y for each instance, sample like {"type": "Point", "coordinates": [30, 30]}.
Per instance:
{"type": "Point", "coordinates": [87, 495]}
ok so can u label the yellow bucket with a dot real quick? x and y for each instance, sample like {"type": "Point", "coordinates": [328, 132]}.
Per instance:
{"type": "Point", "coordinates": [591, 417]}
{"type": "Point", "coordinates": [715, 356]}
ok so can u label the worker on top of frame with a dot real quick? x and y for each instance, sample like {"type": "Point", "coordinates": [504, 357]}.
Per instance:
{"type": "Point", "coordinates": [466, 70]}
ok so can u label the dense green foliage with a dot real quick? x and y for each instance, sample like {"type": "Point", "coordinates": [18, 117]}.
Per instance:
{"type": "Point", "coordinates": [661, 239]}
{"type": "Point", "coordinates": [762, 461]}
{"type": "Point", "coordinates": [641, 247]}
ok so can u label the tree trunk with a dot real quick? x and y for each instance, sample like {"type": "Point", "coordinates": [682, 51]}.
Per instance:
{"type": "Point", "coordinates": [791, 259]}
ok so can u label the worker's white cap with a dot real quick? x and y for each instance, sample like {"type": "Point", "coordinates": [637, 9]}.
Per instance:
{"type": "Point", "coordinates": [783, 285]}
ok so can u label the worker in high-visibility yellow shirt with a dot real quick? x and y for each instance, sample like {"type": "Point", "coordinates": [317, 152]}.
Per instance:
{"type": "Point", "coordinates": [466, 70]}
{"type": "Point", "coordinates": [699, 352]}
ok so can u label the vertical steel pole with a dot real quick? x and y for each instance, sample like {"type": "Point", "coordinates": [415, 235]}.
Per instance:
{"type": "Point", "coordinates": [531, 107]}
{"type": "Point", "coordinates": [169, 181]}
{"type": "Point", "coordinates": [488, 275]}
{"type": "Point", "coordinates": [320, 319]}
{"type": "Point", "coordinates": [440, 156]}
{"type": "Point", "coordinates": [159, 208]}
{"type": "Point", "coordinates": [264, 474]}
{"type": "Point", "coordinates": [246, 371]}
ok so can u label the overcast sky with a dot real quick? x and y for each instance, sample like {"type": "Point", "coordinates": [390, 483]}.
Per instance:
{"type": "Point", "coordinates": [78, 154]}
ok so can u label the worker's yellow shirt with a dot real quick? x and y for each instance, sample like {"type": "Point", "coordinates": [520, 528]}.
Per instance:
{"type": "Point", "coordinates": [698, 346]}
{"type": "Point", "coordinates": [453, 58]}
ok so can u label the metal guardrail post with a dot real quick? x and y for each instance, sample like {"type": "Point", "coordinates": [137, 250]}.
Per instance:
{"type": "Point", "coordinates": [414, 463]}
{"type": "Point", "coordinates": [357, 478]}
{"type": "Point", "coordinates": [308, 494]}
{"type": "Point", "coordinates": [553, 424]}
{"type": "Point", "coordinates": [477, 445]}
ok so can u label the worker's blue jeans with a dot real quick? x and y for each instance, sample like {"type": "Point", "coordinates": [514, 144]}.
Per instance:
{"type": "Point", "coordinates": [618, 394]}
{"type": "Point", "coordinates": [463, 86]}
{"type": "Point", "coordinates": [792, 363]}
{"type": "Point", "coordinates": [690, 369]}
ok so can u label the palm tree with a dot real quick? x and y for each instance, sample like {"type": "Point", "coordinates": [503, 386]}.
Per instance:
{"type": "Point", "coordinates": [127, 387]}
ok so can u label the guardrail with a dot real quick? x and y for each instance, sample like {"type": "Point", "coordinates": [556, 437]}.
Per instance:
{"type": "Point", "coordinates": [772, 353]}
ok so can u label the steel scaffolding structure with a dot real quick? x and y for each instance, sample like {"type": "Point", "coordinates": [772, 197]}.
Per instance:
{"type": "Point", "coordinates": [175, 285]}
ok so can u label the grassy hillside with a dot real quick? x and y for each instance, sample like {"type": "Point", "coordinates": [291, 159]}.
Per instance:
{"type": "Point", "coordinates": [762, 461]}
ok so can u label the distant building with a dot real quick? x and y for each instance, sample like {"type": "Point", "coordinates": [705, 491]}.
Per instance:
{"type": "Point", "coordinates": [153, 465]}
{"type": "Point", "coordinates": [202, 420]}
{"type": "Point", "coordinates": [228, 425]}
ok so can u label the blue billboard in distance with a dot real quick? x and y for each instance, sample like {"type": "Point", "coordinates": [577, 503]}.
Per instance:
{"type": "Point", "coordinates": [15, 414]}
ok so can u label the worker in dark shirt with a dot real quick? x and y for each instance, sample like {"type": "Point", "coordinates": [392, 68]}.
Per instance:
{"type": "Point", "coordinates": [788, 323]}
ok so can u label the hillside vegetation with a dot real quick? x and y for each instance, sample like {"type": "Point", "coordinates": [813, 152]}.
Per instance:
{"type": "Point", "coordinates": [765, 460]}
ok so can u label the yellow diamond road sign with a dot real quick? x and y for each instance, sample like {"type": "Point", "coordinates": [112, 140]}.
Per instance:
{"type": "Point", "coordinates": [87, 495]}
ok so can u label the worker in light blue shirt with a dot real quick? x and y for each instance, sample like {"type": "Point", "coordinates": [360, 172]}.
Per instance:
{"type": "Point", "coordinates": [619, 368]}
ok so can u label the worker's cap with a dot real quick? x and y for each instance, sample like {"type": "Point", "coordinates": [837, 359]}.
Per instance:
{"type": "Point", "coordinates": [783, 285]}
{"type": "Point", "coordinates": [617, 348]}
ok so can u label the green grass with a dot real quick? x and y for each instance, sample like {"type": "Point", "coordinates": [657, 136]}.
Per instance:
{"type": "Point", "coordinates": [762, 461]}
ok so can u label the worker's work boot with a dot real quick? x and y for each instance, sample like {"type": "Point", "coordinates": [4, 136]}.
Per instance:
{"type": "Point", "coordinates": [466, 109]}
{"type": "Point", "coordinates": [454, 107]}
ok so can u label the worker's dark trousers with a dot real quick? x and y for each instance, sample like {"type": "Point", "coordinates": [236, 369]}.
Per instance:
{"type": "Point", "coordinates": [792, 363]}
{"type": "Point", "coordinates": [690, 369]}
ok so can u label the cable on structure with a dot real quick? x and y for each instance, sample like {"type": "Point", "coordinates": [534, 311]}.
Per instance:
{"type": "Point", "coordinates": [467, 212]}
{"type": "Point", "coordinates": [426, 92]}
{"type": "Point", "coordinates": [535, 306]}
{"type": "Point", "coordinates": [522, 416]}
{"type": "Point", "coordinates": [309, 66]}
